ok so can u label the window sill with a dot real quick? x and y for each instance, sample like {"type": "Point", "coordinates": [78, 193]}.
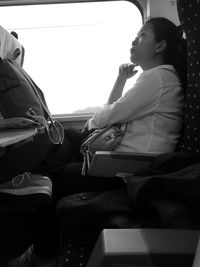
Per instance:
{"type": "Point", "coordinates": [72, 117]}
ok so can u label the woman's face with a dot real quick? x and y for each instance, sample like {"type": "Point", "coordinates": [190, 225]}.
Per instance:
{"type": "Point", "coordinates": [144, 47]}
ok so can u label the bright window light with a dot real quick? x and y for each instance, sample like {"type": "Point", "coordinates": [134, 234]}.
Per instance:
{"type": "Point", "coordinates": [73, 51]}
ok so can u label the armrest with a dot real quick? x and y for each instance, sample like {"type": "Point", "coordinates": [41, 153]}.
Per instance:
{"type": "Point", "coordinates": [110, 163]}
{"type": "Point", "coordinates": [196, 262]}
{"type": "Point", "coordinates": [144, 247]}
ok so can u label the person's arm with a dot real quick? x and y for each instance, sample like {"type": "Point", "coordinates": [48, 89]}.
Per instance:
{"type": "Point", "coordinates": [138, 101]}
{"type": "Point", "coordinates": [126, 71]}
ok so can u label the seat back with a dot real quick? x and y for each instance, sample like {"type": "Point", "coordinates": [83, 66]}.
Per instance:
{"type": "Point", "coordinates": [189, 15]}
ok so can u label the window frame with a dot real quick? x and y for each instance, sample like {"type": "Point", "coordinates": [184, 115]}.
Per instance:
{"type": "Point", "coordinates": [140, 4]}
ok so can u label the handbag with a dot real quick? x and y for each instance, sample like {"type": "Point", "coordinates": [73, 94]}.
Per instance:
{"type": "Point", "coordinates": [105, 139]}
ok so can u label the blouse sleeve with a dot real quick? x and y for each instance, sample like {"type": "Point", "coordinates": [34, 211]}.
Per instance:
{"type": "Point", "coordinates": [140, 100]}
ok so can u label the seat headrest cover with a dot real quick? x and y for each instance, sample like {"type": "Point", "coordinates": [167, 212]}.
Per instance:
{"type": "Point", "coordinates": [10, 48]}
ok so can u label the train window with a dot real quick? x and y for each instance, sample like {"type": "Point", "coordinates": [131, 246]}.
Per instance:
{"type": "Point", "coordinates": [73, 50]}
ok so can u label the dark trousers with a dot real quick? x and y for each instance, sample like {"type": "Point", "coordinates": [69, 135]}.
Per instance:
{"type": "Point", "coordinates": [47, 232]}
{"type": "Point", "coordinates": [45, 226]}
{"type": "Point", "coordinates": [64, 163]}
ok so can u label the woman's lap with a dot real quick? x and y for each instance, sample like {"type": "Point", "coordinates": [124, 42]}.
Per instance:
{"type": "Point", "coordinates": [71, 181]}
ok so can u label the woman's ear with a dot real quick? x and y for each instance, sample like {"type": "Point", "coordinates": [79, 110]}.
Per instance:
{"type": "Point", "coordinates": [161, 46]}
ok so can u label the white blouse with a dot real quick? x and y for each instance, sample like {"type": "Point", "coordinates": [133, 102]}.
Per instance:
{"type": "Point", "coordinates": [153, 108]}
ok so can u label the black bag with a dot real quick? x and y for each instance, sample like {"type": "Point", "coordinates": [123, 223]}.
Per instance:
{"type": "Point", "coordinates": [21, 97]}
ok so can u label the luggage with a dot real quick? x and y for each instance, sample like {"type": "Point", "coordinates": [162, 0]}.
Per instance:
{"type": "Point", "coordinates": [21, 97]}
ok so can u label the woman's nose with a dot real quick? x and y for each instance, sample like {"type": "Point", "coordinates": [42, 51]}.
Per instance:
{"type": "Point", "coordinates": [134, 42]}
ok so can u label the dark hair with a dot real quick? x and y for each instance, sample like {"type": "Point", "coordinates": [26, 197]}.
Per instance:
{"type": "Point", "coordinates": [175, 52]}
{"type": "Point", "coordinates": [14, 34]}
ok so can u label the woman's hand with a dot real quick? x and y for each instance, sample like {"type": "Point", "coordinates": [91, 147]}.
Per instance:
{"type": "Point", "coordinates": [127, 70]}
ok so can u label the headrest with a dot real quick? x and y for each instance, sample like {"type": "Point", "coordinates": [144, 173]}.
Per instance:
{"type": "Point", "coordinates": [10, 48]}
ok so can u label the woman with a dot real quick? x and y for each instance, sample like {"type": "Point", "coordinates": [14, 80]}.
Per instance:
{"type": "Point", "coordinates": [153, 108]}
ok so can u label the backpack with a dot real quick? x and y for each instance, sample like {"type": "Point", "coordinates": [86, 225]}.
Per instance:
{"type": "Point", "coordinates": [20, 97]}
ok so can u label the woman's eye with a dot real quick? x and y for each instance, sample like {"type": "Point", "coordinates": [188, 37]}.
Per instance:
{"type": "Point", "coordinates": [141, 36]}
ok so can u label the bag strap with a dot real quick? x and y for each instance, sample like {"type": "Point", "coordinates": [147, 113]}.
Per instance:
{"type": "Point", "coordinates": [54, 129]}
{"type": "Point", "coordinates": [123, 126]}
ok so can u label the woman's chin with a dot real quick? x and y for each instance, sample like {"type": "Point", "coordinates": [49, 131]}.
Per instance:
{"type": "Point", "coordinates": [133, 60]}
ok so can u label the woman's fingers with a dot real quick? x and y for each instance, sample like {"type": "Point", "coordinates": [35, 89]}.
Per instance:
{"type": "Point", "coordinates": [127, 70]}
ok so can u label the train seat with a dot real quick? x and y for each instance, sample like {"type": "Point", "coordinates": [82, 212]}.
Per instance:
{"type": "Point", "coordinates": [144, 247]}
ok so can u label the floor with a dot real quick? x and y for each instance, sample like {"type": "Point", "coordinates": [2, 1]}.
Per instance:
{"type": "Point", "coordinates": [76, 250]}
